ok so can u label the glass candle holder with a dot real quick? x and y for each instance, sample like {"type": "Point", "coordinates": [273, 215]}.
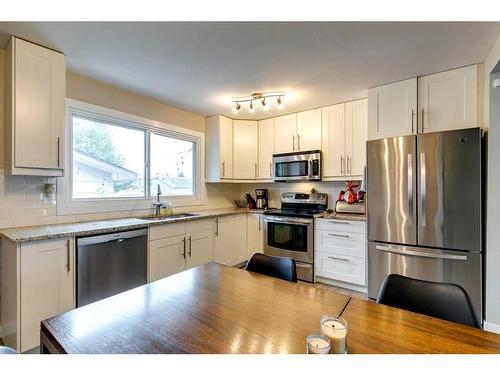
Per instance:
{"type": "Point", "coordinates": [335, 328]}
{"type": "Point", "coordinates": [318, 344]}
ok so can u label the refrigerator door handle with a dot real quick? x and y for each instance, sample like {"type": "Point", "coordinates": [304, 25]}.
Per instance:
{"type": "Point", "coordinates": [410, 188]}
{"type": "Point", "coordinates": [397, 250]}
{"type": "Point", "coordinates": [423, 189]}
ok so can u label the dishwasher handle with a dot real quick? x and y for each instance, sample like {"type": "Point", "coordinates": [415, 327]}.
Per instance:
{"type": "Point", "coordinates": [111, 237]}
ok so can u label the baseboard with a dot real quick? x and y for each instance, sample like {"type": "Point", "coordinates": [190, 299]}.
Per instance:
{"type": "Point", "coordinates": [491, 327]}
{"type": "Point", "coordinates": [340, 284]}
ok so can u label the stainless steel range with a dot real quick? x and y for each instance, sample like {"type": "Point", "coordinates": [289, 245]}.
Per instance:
{"type": "Point", "coordinates": [289, 232]}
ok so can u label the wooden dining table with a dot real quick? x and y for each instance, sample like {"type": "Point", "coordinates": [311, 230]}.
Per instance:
{"type": "Point", "coordinates": [219, 309]}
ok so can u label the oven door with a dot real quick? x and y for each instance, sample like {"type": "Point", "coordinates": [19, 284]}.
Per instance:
{"type": "Point", "coordinates": [289, 236]}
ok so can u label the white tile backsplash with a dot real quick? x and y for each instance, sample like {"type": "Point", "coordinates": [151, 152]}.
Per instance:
{"type": "Point", "coordinates": [22, 203]}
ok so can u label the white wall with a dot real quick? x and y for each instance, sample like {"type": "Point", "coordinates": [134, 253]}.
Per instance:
{"type": "Point", "coordinates": [492, 286]}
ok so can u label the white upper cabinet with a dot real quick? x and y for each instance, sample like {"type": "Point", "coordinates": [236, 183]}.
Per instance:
{"type": "Point", "coordinates": [355, 136]}
{"type": "Point", "coordinates": [285, 129]}
{"type": "Point", "coordinates": [218, 148]}
{"type": "Point", "coordinates": [245, 149]}
{"type": "Point", "coordinates": [344, 139]}
{"type": "Point", "coordinates": [448, 100]}
{"type": "Point", "coordinates": [266, 149]}
{"type": "Point", "coordinates": [309, 130]}
{"type": "Point", "coordinates": [392, 109]}
{"type": "Point", "coordinates": [35, 92]}
{"type": "Point", "coordinates": [333, 145]}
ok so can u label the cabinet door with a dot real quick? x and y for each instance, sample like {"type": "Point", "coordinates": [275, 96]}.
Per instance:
{"type": "Point", "coordinates": [392, 109]}
{"type": "Point", "coordinates": [199, 248]}
{"type": "Point", "coordinates": [285, 128]}
{"type": "Point", "coordinates": [355, 139]}
{"type": "Point", "coordinates": [226, 146]}
{"type": "Point", "coordinates": [245, 137]}
{"type": "Point", "coordinates": [40, 86]}
{"type": "Point", "coordinates": [255, 234]}
{"type": "Point", "coordinates": [266, 149]}
{"type": "Point", "coordinates": [224, 240]}
{"type": "Point", "coordinates": [333, 119]}
{"type": "Point", "coordinates": [166, 257]}
{"type": "Point", "coordinates": [239, 239]}
{"type": "Point", "coordinates": [309, 130]}
{"type": "Point", "coordinates": [47, 285]}
{"type": "Point", "coordinates": [448, 100]}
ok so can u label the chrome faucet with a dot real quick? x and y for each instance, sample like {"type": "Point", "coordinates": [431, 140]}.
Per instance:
{"type": "Point", "coordinates": [158, 205]}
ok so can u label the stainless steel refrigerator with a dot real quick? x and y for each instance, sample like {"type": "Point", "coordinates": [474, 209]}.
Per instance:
{"type": "Point", "coordinates": [424, 210]}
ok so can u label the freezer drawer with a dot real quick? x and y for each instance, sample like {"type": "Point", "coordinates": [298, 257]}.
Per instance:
{"type": "Point", "coordinates": [461, 268]}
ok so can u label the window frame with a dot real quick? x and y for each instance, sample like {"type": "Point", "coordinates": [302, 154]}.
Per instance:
{"type": "Point", "coordinates": [66, 204]}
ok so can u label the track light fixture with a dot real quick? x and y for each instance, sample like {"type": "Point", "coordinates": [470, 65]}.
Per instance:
{"type": "Point", "coordinates": [258, 96]}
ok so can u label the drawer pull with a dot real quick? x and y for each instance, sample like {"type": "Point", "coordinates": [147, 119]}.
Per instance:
{"type": "Point", "coordinates": [339, 235]}
{"type": "Point", "coordinates": [339, 222]}
{"type": "Point", "coordinates": [336, 258]}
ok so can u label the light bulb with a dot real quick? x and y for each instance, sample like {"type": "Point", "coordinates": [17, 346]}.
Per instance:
{"type": "Point", "coordinates": [236, 108]}
{"type": "Point", "coordinates": [280, 103]}
{"type": "Point", "coordinates": [265, 106]}
{"type": "Point", "coordinates": [251, 108]}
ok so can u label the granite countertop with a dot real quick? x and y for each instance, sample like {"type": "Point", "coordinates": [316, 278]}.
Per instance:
{"type": "Point", "coordinates": [45, 232]}
{"type": "Point", "coordinates": [341, 216]}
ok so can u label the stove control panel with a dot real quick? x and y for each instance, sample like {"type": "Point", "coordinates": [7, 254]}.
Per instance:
{"type": "Point", "coordinates": [305, 198]}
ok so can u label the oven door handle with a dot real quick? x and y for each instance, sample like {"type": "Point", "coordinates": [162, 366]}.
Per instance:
{"type": "Point", "coordinates": [287, 220]}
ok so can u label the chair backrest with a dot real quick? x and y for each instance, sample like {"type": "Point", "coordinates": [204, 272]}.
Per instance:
{"type": "Point", "coordinates": [279, 267]}
{"type": "Point", "coordinates": [7, 350]}
{"type": "Point", "coordinates": [440, 300]}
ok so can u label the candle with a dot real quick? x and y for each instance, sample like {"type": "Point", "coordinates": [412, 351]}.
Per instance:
{"type": "Point", "coordinates": [335, 328]}
{"type": "Point", "coordinates": [318, 344]}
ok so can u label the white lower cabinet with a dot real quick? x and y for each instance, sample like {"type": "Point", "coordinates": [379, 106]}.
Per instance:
{"type": "Point", "coordinates": [255, 234]}
{"type": "Point", "coordinates": [37, 283]}
{"type": "Point", "coordinates": [174, 248]}
{"type": "Point", "coordinates": [230, 241]}
{"type": "Point", "coordinates": [340, 250]}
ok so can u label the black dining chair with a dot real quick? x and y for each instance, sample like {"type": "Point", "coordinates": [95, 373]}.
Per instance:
{"type": "Point", "coordinates": [7, 350]}
{"type": "Point", "coordinates": [279, 267]}
{"type": "Point", "coordinates": [440, 300]}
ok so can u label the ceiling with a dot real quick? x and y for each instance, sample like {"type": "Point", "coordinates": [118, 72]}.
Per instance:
{"type": "Point", "coordinates": [200, 66]}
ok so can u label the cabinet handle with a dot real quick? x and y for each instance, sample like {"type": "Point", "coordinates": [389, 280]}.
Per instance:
{"type": "Point", "coordinates": [298, 142]}
{"type": "Point", "coordinates": [271, 169]}
{"type": "Point", "coordinates": [412, 116]}
{"type": "Point", "coordinates": [337, 258]}
{"type": "Point", "coordinates": [58, 151]}
{"type": "Point", "coordinates": [260, 218]}
{"type": "Point", "coordinates": [339, 235]}
{"type": "Point", "coordinates": [184, 247]}
{"type": "Point", "coordinates": [341, 165]}
{"type": "Point", "coordinates": [216, 227]}
{"type": "Point", "coordinates": [293, 142]}
{"type": "Point", "coordinates": [255, 170]}
{"type": "Point", "coordinates": [223, 169]}
{"type": "Point", "coordinates": [348, 165]}
{"type": "Point", "coordinates": [422, 120]}
{"type": "Point", "coordinates": [339, 222]}
{"type": "Point", "coordinates": [189, 251]}
{"type": "Point", "coordinates": [68, 267]}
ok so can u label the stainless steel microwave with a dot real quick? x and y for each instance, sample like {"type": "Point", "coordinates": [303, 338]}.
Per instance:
{"type": "Point", "coordinates": [297, 166]}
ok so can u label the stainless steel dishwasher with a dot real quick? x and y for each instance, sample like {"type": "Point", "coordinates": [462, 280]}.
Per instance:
{"type": "Point", "coordinates": [109, 264]}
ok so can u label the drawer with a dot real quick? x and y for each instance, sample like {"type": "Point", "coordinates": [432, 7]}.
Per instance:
{"type": "Point", "coordinates": [199, 225]}
{"type": "Point", "coordinates": [166, 230]}
{"type": "Point", "coordinates": [341, 225]}
{"type": "Point", "coordinates": [342, 268]}
{"type": "Point", "coordinates": [340, 243]}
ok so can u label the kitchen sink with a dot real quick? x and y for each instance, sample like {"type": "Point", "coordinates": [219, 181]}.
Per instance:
{"type": "Point", "coordinates": [167, 217]}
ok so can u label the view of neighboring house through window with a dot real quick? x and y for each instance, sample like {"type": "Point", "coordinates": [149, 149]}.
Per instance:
{"type": "Point", "coordinates": [171, 165]}
{"type": "Point", "coordinates": [108, 160]}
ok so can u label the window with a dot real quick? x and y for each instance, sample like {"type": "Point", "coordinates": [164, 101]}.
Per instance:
{"type": "Point", "coordinates": [171, 165]}
{"type": "Point", "coordinates": [116, 161]}
{"type": "Point", "coordinates": [108, 160]}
